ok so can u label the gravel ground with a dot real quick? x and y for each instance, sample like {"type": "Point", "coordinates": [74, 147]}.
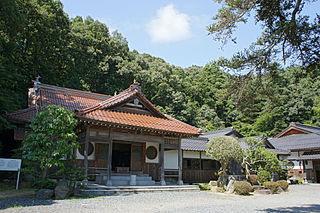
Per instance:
{"type": "Point", "coordinates": [299, 198]}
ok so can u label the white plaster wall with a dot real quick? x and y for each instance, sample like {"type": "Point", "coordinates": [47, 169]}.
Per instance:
{"type": "Point", "coordinates": [309, 165]}
{"type": "Point", "coordinates": [204, 156]}
{"type": "Point", "coordinates": [156, 160]}
{"type": "Point", "coordinates": [171, 159]}
{"type": "Point", "coordinates": [90, 157]}
{"type": "Point", "coordinates": [191, 154]}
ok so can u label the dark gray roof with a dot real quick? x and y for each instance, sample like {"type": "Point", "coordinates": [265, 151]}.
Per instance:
{"type": "Point", "coordinates": [296, 141]}
{"type": "Point", "coordinates": [221, 132]}
{"type": "Point", "coordinates": [280, 151]}
{"type": "Point", "coordinates": [303, 127]}
{"type": "Point", "coordinates": [194, 144]}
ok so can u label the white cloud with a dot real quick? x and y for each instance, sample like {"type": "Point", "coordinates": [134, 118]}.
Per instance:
{"type": "Point", "coordinates": [169, 26]}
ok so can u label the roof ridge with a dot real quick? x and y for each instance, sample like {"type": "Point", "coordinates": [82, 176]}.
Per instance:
{"type": "Point", "coordinates": [22, 110]}
{"type": "Point", "coordinates": [219, 130]}
{"type": "Point", "coordinates": [75, 91]}
{"type": "Point", "coordinates": [304, 125]}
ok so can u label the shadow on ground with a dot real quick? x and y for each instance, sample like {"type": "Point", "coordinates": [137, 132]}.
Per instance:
{"type": "Point", "coordinates": [296, 209]}
{"type": "Point", "coordinates": [19, 202]}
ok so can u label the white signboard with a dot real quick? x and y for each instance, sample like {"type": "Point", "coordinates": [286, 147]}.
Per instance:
{"type": "Point", "coordinates": [11, 165]}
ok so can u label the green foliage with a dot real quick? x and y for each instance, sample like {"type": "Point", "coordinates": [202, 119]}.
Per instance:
{"type": "Point", "coordinates": [51, 139]}
{"type": "Point", "coordinates": [44, 184]}
{"type": "Point", "coordinates": [253, 179]}
{"type": "Point", "coordinates": [283, 184]}
{"type": "Point", "coordinates": [263, 176]}
{"type": "Point", "coordinates": [273, 186]}
{"type": "Point", "coordinates": [286, 29]}
{"type": "Point", "coordinates": [257, 157]}
{"type": "Point", "coordinates": [242, 188]}
{"type": "Point", "coordinates": [224, 149]}
{"type": "Point", "coordinates": [203, 186]}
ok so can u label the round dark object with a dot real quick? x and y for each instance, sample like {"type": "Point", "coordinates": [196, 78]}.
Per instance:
{"type": "Point", "coordinates": [90, 149]}
{"type": "Point", "coordinates": [151, 152]}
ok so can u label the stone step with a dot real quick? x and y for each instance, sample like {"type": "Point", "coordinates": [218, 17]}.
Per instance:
{"type": "Point", "coordinates": [98, 186]}
{"type": "Point", "coordinates": [127, 178]}
{"type": "Point", "coordinates": [104, 190]}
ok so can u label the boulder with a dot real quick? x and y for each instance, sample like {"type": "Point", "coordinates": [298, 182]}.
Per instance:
{"type": "Point", "coordinates": [230, 186]}
{"type": "Point", "coordinates": [279, 190]}
{"type": "Point", "coordinates": [44, 194]}
{"type": "Point", "coordinates": [62, 190]}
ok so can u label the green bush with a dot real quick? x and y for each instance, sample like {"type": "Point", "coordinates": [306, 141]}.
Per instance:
{"type": "Point", "coordinates": [263, 176]}
{"type": "Point", "coordinates": [273, 186]}
{"type": "Point", "coordinates": [283, 184]}
{"type": "Point", "coordinates": [213, 183]}
{"type": "Point", "coordinates": [220, 189]}
{"type": "Point", "coordinates": [253, 179]}
{"type": "Point", "coordinates": [242, 188]}
{"type": "Point", "coordinates": [44, 184]}
{"type": "Point", "coordinates": [203, 186]}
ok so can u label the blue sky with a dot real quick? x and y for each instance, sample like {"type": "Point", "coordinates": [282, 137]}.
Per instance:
{"type": "Point", "coordinates": [173, 30]}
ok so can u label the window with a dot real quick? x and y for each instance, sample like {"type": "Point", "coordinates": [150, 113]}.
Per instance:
{"type": "Point", "coordinates": [191, 163]}
{"type": "Point", "coordinates": [90, 149]}
{"type": "Point", "coordinates": [151, 152]}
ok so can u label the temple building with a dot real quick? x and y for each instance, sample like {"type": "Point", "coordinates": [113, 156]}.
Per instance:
{"type": "Point", "coordinates": [119, 135]}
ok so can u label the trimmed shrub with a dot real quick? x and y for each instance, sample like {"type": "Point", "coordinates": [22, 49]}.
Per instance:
{"type": "Point", "coordinates": [213, 183]}
{"type": "Point", "coordinates": [44, 184]}
{"type": "Point", "coordinates": [263, 176]}
{"type": "Point", "coordinates": [203, 186]}
{"type": "Point", "coordinates": [273, 186]}
{"type": "Point", "coordinates": [283, 184]}
{"type": "Point", "coordinates": [242, 188]}
{"type": "Point", "coordinates": [220, 189]}
{"type": "Point", "coordinates": [253, 179]}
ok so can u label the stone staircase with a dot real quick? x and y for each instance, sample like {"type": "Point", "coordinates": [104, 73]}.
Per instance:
{"type": "Point", "coordinates": [99, 190]}
{"type": "Point", "coordinates": [124, 180]}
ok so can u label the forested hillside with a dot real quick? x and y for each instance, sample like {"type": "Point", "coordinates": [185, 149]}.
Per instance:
{"type": "Point", "coordinates": [38, 38]}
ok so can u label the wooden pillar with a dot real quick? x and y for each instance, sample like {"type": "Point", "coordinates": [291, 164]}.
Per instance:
{"type": "Point", "coordinates": [109, 182]}
{"type": "Point", "coordinates": [86, 150]}
{"type": "Point", "coordinates": [200, 167]}
{"type": "Point", "coordinates": [162, 181]}
{"type": "Point", "coordinates": [180, 182]}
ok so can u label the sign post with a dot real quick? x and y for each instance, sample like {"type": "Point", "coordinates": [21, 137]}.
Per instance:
{"type": "Point", "coordinates": [11, 165]}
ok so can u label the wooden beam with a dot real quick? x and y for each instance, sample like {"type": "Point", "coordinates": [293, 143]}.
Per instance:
{"type": "Point", "coordinates": [180, 182]}
{"type": "Point", "coordinates": [162, 181]}
{"type": "Point", "coordinates": [109, 182]}
{"type": "Point", "coordinates": [86, 150]}
{"type": "Point", "coordinates": [136, 137]}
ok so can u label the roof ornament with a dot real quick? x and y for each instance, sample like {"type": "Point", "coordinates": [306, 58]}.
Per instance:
{"type": "Point", "coordinates": [36, 82]}
{"type": "Point", "coordinates": [135, 86]}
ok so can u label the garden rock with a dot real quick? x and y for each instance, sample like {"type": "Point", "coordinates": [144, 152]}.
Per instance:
{"type": "Point", "coordinates": [280, 190]}
{"type": "Point", "coordinates": [62, 190]}
{"type": "Point", "coordinates": [44, 194]}
{"type": "Point", "coordinates": [230, 186]}
{"type": "Point", "coordinates": [262, 192]}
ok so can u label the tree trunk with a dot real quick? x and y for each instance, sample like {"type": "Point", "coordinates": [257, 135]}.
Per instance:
{"type": "Point", "coordinates": [44, 172]}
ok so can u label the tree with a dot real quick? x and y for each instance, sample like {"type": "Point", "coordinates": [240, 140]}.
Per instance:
{"type": "Point", "coordinates": [286, 30]}
{"type": "Point", "coordinates": [51, 139]}
{"type": "Point", "coordinates": [256, 157]}
{"type": "Point", "coordinates": [224, 149]}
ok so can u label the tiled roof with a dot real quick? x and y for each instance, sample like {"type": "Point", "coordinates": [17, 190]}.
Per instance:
{"type": "Point", "coordinates": [69, 98]}
{"type": "Point", "coordinates": [280, 151]}
{"type": "Point", "coordinates": [23, 115]}
{"type": "Point", "coordinates": [98, 107]}
{"type": "Point", "coordinates": [221, 132]}
{"type": "Point", "coordinates": [296, 141]}
{"type": "Point", "coordinates": [299, 127]}
{"type": "Point", "coordinates": [140, 121]}
{"type": "Point", "coordinates": [194, 144]}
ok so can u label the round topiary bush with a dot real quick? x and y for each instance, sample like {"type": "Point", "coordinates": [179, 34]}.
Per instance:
{"type": "Point", "coordinates": [273, 186]}
{"type": "Point", "coordinates": [283, 184]}
{"type": "Point", "coordinates": [263, 176]}
{"type": "Point", "coordinates": [253, 179]}
{"type": "Point", "coordinates": [242, 188]}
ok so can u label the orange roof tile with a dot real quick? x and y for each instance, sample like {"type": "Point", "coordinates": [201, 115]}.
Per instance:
{"type": "Point", "coordinates": [97, 107]}
{"type": "Point", "coordinates": [141, 121]}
